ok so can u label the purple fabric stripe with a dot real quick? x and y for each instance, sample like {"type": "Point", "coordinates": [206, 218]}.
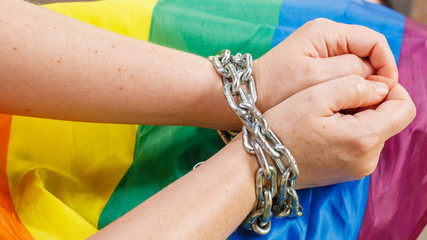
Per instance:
{"type": "Point", "coordinates": [397, 201]}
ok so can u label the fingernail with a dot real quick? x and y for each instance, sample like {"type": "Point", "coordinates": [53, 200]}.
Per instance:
{"type": "Point", "coordinates": [380, 88]}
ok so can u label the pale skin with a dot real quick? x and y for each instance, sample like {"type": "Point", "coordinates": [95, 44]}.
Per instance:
{"type": "Point", "coordinates": [56, 67]}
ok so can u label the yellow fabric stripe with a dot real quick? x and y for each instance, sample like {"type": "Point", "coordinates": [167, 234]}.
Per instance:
{"type": "Point", "coordinates": [61, 173]}
{"type": "Point", "coordinates": [131, 18]}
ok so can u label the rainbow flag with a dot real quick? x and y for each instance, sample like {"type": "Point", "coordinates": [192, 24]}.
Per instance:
{"type": "Point", "coordinates": [66, 180]}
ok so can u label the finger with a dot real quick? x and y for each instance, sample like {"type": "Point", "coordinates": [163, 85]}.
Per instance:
{"type": "Point", "coordinates": [343, 65]}
{"type": "Point", "coordinates": [391, 116]}
{"type": "Point", "coordinates": [365, 42]}
{"type": "Point", "coordinates": [346, 93]}
{"type": "Point", "coordinates": [382, 79]}
{"type": "Point", "coordinates": [390, 83]}
{"type": "Point", "coordinates": [370, 70]}
{"type": "Point", "coordinates": [333, 39]}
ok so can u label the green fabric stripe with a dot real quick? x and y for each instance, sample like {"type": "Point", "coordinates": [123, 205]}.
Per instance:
{"type": "Point", "coordinates": [162, 154]}
{"type": "Point", "coordinates": [165, 153]}
{"type": "Point", "coordinates": [206, 27]}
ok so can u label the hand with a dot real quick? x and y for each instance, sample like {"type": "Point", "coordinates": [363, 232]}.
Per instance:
{"type": "Point", "coordinates": [319, 51]}
{"type": "Point", "coordinates": [331, 147]}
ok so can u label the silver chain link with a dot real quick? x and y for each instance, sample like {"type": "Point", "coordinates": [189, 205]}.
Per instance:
{"type": "Point", "coordinates": [274, 196]}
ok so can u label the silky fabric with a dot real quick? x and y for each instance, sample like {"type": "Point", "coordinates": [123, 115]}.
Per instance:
{"type": "Point", "coordinates": [56, 195]}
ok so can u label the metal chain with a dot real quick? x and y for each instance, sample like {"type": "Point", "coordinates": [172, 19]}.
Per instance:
{"type": "Point", "coordinates": [278, 197]}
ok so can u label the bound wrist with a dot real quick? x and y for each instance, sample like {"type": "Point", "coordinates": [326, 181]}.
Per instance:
{"type": "Point", "coordinates": [210, 106]}
{"type": "Point", "coordinates": [259, 77]}
{"type": "Point", "coordinates": [259, 140]}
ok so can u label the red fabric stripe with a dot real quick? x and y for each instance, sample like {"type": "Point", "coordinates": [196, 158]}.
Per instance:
{"type": "Point", "coordinates": [10, 225]}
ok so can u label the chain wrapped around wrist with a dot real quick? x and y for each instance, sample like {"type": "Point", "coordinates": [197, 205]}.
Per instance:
{"type": "Point", "coordinates": [274, 195]}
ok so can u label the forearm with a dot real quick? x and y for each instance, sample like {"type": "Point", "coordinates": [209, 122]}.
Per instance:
{"type": "Point", "coordinates": [56, 67]}
{"type": "Point", "coordinates": [207, 203]}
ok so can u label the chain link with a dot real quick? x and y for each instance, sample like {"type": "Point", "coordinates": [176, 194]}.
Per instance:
{"type": "Point", "coordinates": [274, 196]}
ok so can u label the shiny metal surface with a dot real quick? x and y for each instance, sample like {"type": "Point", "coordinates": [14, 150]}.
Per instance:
{"type": "Point", "coordinates": [258, 139]}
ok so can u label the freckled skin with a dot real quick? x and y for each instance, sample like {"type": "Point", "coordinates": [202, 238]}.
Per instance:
{"type": "Point", "coordinates": [225, 181]}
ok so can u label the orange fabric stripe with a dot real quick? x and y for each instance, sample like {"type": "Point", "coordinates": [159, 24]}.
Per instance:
{"type": "Point", "coordinates": [10, 225]}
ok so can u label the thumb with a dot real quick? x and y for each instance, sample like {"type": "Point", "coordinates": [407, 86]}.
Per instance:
{"type": "Point", "coordinates": [347, 93]}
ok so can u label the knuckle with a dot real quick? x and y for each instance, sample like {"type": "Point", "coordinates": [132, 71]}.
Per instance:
{"type": "Point", "coordinates": [362, 155]}
{"type": "Point", "coordinates": [366, 153]}
{"type": "Point", "coordinates": [366, 168]}
{"type": "Point", "coordinates": [318, 21]}
{"type": "Point", "coordinates": [382, 38]}
{"type": "Point", "coordinates": [371, 166]}
{"type": "Point", "coordinates": [357, 84]}
{"type": "Point", "coordinates": [321, 21]}
{"type": "Point", "coordinates": [363, 146]}
{"type": "Point", "coordinates": [379, 36]}
{"type": "Point", "coordinates": [356, 80]}
{"type": "Point", "coordinates": [364, 29]}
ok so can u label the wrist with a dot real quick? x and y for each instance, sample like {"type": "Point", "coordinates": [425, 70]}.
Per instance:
{"type": "Point", "coordinates": [214, 110]}
{"type": "Point", "coordinates": [257, 74]}
{"type": "Point", "coordinates": [209, 108]}
{"type": "Point", "coordinates": [259, 140]}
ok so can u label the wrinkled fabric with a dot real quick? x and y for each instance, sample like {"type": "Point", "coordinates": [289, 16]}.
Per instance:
{"type": "Point", "coordinates": [397, 203]}
{"type": "Point", "coordinates": [55, 195]}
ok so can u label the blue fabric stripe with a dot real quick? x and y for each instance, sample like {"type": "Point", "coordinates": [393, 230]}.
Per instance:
{"type": "Point", "coordinates": [294, 13]}
{"type": "Point", "coordinates": [331, 212]}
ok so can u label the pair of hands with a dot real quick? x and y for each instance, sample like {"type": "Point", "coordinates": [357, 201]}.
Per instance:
{"type": "Point", "coordinates": [330, 93]}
